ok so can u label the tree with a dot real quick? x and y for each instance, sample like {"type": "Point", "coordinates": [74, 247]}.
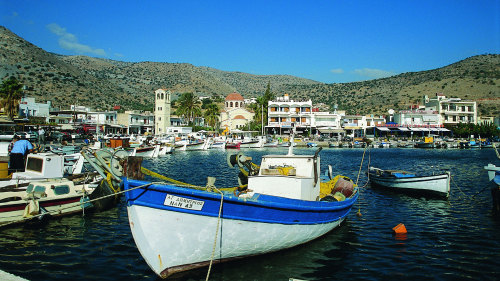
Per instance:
{"type": "Point", "coordinates": [212, 115]}
{"type": "Point", "coordinates": [260, 107]}
{"type": "Point", "coordinates": [11, 93]}
{"type": "Point", "coordinates": [189, 107]}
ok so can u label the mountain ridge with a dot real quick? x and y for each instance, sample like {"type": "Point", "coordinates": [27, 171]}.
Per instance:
{"type": "Point", "coordinates": [102, 83]}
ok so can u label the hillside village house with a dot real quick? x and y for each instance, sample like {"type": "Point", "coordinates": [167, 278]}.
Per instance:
{"type": "Point", "coordinates": [235, 115]}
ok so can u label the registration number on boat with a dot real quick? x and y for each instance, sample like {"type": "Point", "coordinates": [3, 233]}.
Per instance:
{"type": "Point", "coordinates": [184, 203]}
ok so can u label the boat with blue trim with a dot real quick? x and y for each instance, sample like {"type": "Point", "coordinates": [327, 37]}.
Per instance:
{"type": "Point", "coordinates": [409, 182]}
{"type": "Point", "coordinates": [279, 204]}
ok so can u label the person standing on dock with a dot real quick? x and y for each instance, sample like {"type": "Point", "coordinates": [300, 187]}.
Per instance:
{"type": "Point", "coordinates": [41, 136]}
{"type": "Point", "coordinates": [20, 149]}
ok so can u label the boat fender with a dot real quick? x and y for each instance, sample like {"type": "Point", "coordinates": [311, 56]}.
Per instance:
{"type": "Point", "coordinates": [33, 208]}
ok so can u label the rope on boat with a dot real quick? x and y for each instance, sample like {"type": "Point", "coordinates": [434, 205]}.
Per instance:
{"type": "Point", "coordinates": [72, 206]}
{"type": "Point", "coordinates": [216, 232]}
{"type": "Point", "coordinates": [183, 184]}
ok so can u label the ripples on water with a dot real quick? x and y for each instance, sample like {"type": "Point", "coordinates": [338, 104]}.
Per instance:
{"type": "Point", "coordinates": [447, 239]}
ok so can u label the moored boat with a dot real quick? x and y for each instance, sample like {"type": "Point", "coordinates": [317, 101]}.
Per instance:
{"type": "Point", "coordinates": [233, 145]}
{"type": "Point", "coordinates": [405, 181]}
{"type": "Point", "coordinates": [49, 197]}
{"type": "Point", "coordinates": [176, 228]}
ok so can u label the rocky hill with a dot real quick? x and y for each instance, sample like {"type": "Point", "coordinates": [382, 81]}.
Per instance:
{"type": "Point", "coordinates": [102, 83]}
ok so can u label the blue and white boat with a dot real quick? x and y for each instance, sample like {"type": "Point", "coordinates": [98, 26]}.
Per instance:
{"type": "Point", "coordinates": [396, 180]}
{"type": "Point", "coordinates": [177, 228]}
{"type": "Point", "coordinates": [494, 178]}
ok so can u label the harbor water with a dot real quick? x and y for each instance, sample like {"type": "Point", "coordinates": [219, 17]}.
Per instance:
{"type": "Point", "coordinates": [454, 239]}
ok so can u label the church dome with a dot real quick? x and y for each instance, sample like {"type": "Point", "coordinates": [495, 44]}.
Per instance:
{"type": "Point", "coordinates": [234, 97]}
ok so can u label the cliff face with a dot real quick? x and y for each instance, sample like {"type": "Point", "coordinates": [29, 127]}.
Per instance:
{"type": "Point", "coordinates": [102, 83]}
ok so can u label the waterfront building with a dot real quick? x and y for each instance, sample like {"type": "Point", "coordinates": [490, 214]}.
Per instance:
{"type": "Point", "coordinates": [235, 115]}
{"type": "Point", "coordinates": [103, 122]}
{"type": "Point", "coordinates": [162, 111]}
{"type": "Point", "coordinates": [29, 108]}
{"type": "Point", "coordinates": [414, 118]}
{"type": "Point", "coordinates": [452, 110]}
{"type": "Point", "coordinates": [136, 122]}
{"type": "Point", "coordinates": [283, 114]}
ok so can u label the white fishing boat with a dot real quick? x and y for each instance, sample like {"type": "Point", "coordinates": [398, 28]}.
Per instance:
{"type": "Point", "coordinates": [405, 181]}
{"type": "Point", "coordinates": [42, 198]}
{"type": "Point", "coordinates": [145, 151]}
{"type": "Point", "coordinates": [177, 228]}
{"type": "Point", "coordinates": [188, 146]}
{"type": "Point", "coordinates": [46, 166]}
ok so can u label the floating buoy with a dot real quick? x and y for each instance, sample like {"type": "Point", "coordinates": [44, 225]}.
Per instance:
{"type": "Point", "coordinates": [359, 213]}
{"type": "Point", "coordinates": [399, 229]}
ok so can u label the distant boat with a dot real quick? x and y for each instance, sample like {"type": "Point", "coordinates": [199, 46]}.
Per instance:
{"type": "Point", "coordinates": [405, 181]}
{"type": "Point", "coordinates": [233, 145]}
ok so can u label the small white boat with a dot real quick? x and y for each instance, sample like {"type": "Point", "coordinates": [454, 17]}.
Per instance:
{"type": "Point", "coordinates": [145, 151]}
{"type": "Point", "coordinates": [45, 166]}
{"type": "Point", "coordinates": [405, 181]}
{"type": "Point", "coordinates": [191, 146]}
{"type": "Point", "coordinates": [54, 197]}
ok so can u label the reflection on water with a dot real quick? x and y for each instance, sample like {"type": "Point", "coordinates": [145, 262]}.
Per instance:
{"type": "Point", "coordinates": [446, 240]}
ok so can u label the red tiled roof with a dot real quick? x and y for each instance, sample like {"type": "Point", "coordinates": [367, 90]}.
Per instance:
{"type": "Point", "coordinates": [234, 96]}
{"type": "Point", "coordinates": [239, 117]}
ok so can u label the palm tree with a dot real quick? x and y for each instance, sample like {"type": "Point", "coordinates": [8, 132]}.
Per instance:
{"type": "Point", "coordinates": [11, 93]}
{"type": "Point", "coordinates": [212, 115]}
{"type": "Point", "coordinates": [189, 107]}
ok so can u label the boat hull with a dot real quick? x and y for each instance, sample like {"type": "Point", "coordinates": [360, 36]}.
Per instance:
{"type": "Point", "coordinates": [172, 238]}
{"type": "Point", "coordinates": [433, 185]}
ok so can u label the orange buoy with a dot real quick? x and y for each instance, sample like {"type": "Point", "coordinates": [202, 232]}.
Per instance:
{"type": "Point", "coordinates": [399, 229]}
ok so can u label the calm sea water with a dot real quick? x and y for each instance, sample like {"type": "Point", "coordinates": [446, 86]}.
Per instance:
{"type": "Point", "coordinates": [455, 239]}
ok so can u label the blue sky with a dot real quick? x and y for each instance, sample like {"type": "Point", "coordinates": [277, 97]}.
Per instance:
{"type": "Point", "coordinates": [327, 41]}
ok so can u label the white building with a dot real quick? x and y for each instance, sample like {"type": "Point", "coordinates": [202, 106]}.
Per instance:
{"type": "Point", "coordinates": [412, 118]}
{"type": "Point", "coordinates": [452, 110]}
{"type": "Point", "coordinates": [162, 111]}
{"type": "Point", "coordinates": [137, 122]}
{"type": "Point", "coordinates": [29, 108]}
{"type": "Point", "coordinates": [283, 114]}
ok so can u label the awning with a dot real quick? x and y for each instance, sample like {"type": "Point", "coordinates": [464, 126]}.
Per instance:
{"type": "Point", "coordinates": [443, 130]}
{"type": "Point", "coordinates": [424, 129]}
{"type": "Point", "coordinates": [403, 129]}
{"type": "Point", "coordinates": [415, 129]}
{"type": "Point", "coordinates": [329, 131]}
{"type": "Point", "coordinates": [383, 129]}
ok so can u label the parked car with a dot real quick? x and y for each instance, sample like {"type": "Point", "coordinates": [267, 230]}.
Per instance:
{"type": "Point", "coordinates": [58, 136]}
{"type": "Point", "coordinates": [6, 135]}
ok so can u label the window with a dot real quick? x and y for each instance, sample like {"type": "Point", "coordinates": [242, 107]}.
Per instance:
{"type": "Point", "coordinates": [61, 189]}
{"type": "Point", "coordinates": [231, 104]}
{"type": "Point", "coordinates": [34, 164]}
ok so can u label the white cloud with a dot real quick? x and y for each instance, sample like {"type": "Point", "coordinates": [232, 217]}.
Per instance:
{"type": "Point", "coordinates": [374, 73]}
{"type": "Point", "coordinates": [337, 71]}
{"type": "Point", "coordinates": [69, 41]}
